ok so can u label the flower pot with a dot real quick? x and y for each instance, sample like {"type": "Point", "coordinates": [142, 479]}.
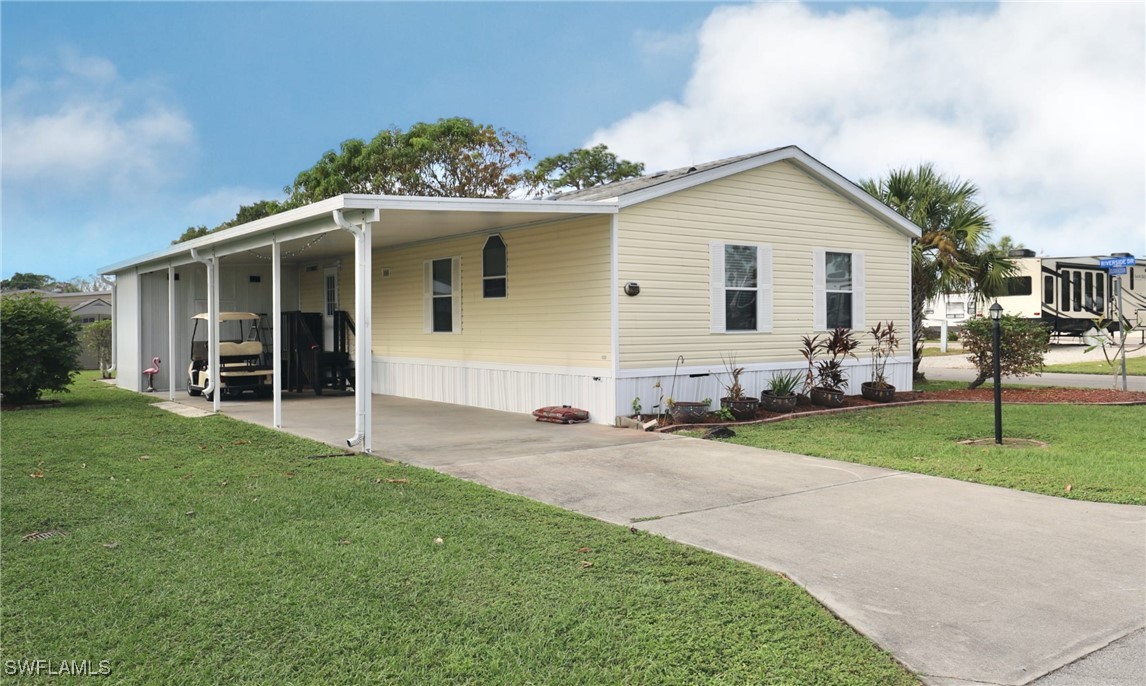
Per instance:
{"type": "Point", "coordinates": [742, 410]}
{"type": "Point", "coordinates": [827, 397]}
{"type": "Point", "coordinates": [778, 403]}
{"type": "Point", "coordinates": [686, 412]}
{"type": "Point", "coordinates": [880, 393]}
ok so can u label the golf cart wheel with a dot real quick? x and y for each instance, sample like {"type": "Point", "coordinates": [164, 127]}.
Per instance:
{"type": "Point", "coordinates": [192, 391]}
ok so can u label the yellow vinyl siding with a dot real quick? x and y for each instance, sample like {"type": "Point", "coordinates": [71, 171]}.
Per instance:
{"type": "Point", "coordinates": [663, 244]}
{"type": "Point", "coordinates": [310, 290]}
{"type": "Point", "coordinates": [556, 312]}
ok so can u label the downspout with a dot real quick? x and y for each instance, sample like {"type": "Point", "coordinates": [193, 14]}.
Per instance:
{"type": "Point", "coordinates": [114, 324]}
{"type": "Point", "coordinates": [171, 333]}
{"type": "Point", "coordinates": [212, 348]}
{"type": "Point", "coordinates": [363, 386]}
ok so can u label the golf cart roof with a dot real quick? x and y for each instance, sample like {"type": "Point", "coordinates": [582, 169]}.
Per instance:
{"type": "Point", "coordinates": [228, 316]}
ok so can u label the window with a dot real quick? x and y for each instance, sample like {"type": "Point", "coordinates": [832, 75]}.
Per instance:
{"type": "Point", "coordinates": [741, 285]}
{"type": "Point", "coordinates": [1089, 297]}
{"type": "Point", "coordinates": [442, 300]}
{"type": "Point", "coordinates": [1100, 293]}
{"type": "Point", "coordinates": [955, 310]}
{"type": "Point", "coordinates": [1048, 289]}
{"type": "Point", "coordinates": [1017, 285]}
{"type": "Point", "coordinates": [493, 268]}
{"type": "Point", "coordinates": [1064, 299]}
{"type": "Point", "coordinates": [1076, 292]}
{"type": "Point", "coordinates": [837, 290]}
{"type": "Point", "coordinates": [331, 291]}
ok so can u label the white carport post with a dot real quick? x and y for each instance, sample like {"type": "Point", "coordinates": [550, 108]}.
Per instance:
{"type": "Point", "coordinates": [171, 333]}
{"type": "Point", "coordinates": [363, 386]}
{"type": "Point", "coordinates": [212, 264]}
{"type": "Point", "coordinates": [276, 330]}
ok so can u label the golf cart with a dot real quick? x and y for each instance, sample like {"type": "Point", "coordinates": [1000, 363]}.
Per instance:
{"type": "Point", "coordinates": [241, 365]}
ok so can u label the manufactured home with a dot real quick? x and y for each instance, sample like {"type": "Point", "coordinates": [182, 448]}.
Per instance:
{"type": "Point", "coordinates": [594, 299]}
{"type": "Point", "coordinates": [1070, 295]}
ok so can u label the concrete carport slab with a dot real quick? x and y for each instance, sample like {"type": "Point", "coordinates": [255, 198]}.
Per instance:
{"type": "Point", "coordinates": [963, 583]}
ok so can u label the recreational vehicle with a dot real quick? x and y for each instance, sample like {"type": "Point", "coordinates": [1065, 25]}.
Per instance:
{"type": "Point", "coordinates": [1069, 294]}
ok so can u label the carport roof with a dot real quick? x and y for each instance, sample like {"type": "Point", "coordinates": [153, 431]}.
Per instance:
{"type": "Point", "coordinates": [399, 220]}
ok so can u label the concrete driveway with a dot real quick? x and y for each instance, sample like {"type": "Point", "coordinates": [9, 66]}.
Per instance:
{"type": "Point", "coordinates": [964, 584]}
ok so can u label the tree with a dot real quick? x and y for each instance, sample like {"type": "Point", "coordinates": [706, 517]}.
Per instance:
{"type": "Point", "coordinates": [96, 339]}
{"type": "Point", "coordinates": [26, 280]}
{"type": "Point", "coordinates": [90, 284]}
{"type": "Point", "coordinates": [246, 213]}
{"type": "Point", "coordinates": [579, 169]}
{"type": "Point", "coordinates": [41, 347]}
{"type": "Point", "coordinates": [449, 158]}
{"type": "Point", "coordinates": [193, 232]}
{"type": "Point", "coordinates": [1022, 346]}
{"type": "Point", "coordinates": [950, 256]}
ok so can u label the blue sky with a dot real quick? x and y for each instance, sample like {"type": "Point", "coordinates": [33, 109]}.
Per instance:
{"type": "Point", "coordinates": [124, 123]}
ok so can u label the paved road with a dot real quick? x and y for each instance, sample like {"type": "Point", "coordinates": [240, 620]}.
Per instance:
{"type": "Point", "coordinates": [1134, 383]}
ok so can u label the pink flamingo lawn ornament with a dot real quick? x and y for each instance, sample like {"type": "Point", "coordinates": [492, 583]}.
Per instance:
{"type": "Point", "coordinates": [151, 372]}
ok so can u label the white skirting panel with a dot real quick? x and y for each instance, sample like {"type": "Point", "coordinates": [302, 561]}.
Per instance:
{"type": "Point", "coordinates": [697, 383]}
{"type": "Point", "coordinates": [512, 388]}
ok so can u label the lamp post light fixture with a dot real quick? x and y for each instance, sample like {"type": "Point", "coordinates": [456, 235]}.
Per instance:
{"type": "Point", "coordinates": [996, 311]}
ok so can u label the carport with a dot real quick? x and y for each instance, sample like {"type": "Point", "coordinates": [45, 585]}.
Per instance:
{"type": "Point", "coordinates": [155, 295]}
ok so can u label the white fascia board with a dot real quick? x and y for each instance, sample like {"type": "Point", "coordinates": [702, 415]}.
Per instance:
{"type": "Point", "coordinates": [818, 169]}
{"type": "Point", "coordinates": [399, 202]}
{"type": "Point", "coordinates": [180, 252]}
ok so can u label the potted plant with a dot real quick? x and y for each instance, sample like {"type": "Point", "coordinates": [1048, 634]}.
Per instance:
{"type": "Point", "coordinates": [742, 406]}
{"type": "Point", "coordinates": [686, 411]}
{"type": "Point", "coordinates": [809, 348]}
{"type": "Point", "coordinates": [831, 375]}
{"type": "Point", "coordinates": [885, 342]}
{"type": "Point", "coordinates": [780, 396]}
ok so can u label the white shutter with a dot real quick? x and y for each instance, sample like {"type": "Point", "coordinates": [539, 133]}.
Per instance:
{"type": "Point", "coordinates": [427, 297]}
{"type": "Point", "coordinates": [858, 292]}
{"type": "Point", "coordinates": [764, 288]}
{"type": "Point", "coordinates": [456, 293]}
{"type": "Point", "coordinates": [716, 287]}
{"type": "Point", "coordinates": [819, 294]}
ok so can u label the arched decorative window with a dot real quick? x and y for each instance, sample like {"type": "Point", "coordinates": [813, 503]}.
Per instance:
{"type": "Point", "coordinates": [494, 274]}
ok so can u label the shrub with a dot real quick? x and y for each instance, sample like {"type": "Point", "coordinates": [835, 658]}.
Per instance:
{"type": "Point", "coordinates": [41, 349]}
{"type": "Point", "coordinates": [1022, 346]}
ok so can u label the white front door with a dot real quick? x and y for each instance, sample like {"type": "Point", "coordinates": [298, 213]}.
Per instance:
{"type": "Point", "coordinates": [330, 299]}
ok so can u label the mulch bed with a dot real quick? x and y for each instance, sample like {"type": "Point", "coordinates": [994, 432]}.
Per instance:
{"type": "Point", "coordinates": [1030, 396]}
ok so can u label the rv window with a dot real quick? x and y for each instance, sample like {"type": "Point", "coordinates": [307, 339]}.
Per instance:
{"type": "Point", "coordinates": [1100, 293]}
{"type": "Point", "coordinates": [1064, 301]}
{"type": "Point", "coordinates": [1076, 292]}
{"type": "Point", "coordinates": [1048, 289]}
{"type": "Point", "coordinates": [1089, 300]}
{"type": "Point", "coordinates": [1018, 285]}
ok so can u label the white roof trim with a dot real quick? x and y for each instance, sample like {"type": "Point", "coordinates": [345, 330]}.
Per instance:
{"type": "Point", "coordinates": [818, 169]}
{"type": "Point", "coordinates": [179, 253]}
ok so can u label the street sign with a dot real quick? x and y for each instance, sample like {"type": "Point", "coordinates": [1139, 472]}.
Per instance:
{"type": "Point", "coordinates": [1107, 262]}
{"type": "Point", "coordinates": [1116, 271]}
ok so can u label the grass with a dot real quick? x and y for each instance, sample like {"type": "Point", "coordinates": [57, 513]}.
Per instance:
{"type": "Point", "coordinates": [1095, 450]}
{"type": "Point", "coordinates": [205, 551]}
{"type": "Point", "coordinates": [1135, 366]}
{"type": "Point", "coordinates": [952, 350]}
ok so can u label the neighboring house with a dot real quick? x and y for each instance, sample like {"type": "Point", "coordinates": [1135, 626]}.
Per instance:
{"type": "Point", "coordinates": [87, 307]}
{"type": "Point", "coordinates": [588, 298]}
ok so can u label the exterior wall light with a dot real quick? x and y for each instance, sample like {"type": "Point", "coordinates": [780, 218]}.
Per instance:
{"type": "Point", "coordinates": [632, 288]}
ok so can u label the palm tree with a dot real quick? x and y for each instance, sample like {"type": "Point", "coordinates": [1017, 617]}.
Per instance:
{"type": "Point", "coordinates": [952, 254]}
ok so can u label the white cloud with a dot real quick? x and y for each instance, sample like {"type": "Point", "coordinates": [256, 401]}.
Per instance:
{"type": "Point", "coordinates": [1040, 104]}
{"type": "Point", "coordinates": [74, 121]}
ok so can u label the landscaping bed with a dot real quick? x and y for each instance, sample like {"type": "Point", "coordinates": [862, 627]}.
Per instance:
{"type": "Point", "coordinates": [1029, 396]}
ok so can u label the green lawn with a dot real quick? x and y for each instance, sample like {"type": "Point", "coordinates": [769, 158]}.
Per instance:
{"type": "Point", "coordinates": [208, 551]}
{"type": "Point", "coordinates": [1135, 366]}
{"type": "Point", "coordinates": [1096, 450]}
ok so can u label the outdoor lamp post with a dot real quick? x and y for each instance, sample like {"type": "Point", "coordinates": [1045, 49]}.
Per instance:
{"type": "Point", "coordinates": [997, 315]}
